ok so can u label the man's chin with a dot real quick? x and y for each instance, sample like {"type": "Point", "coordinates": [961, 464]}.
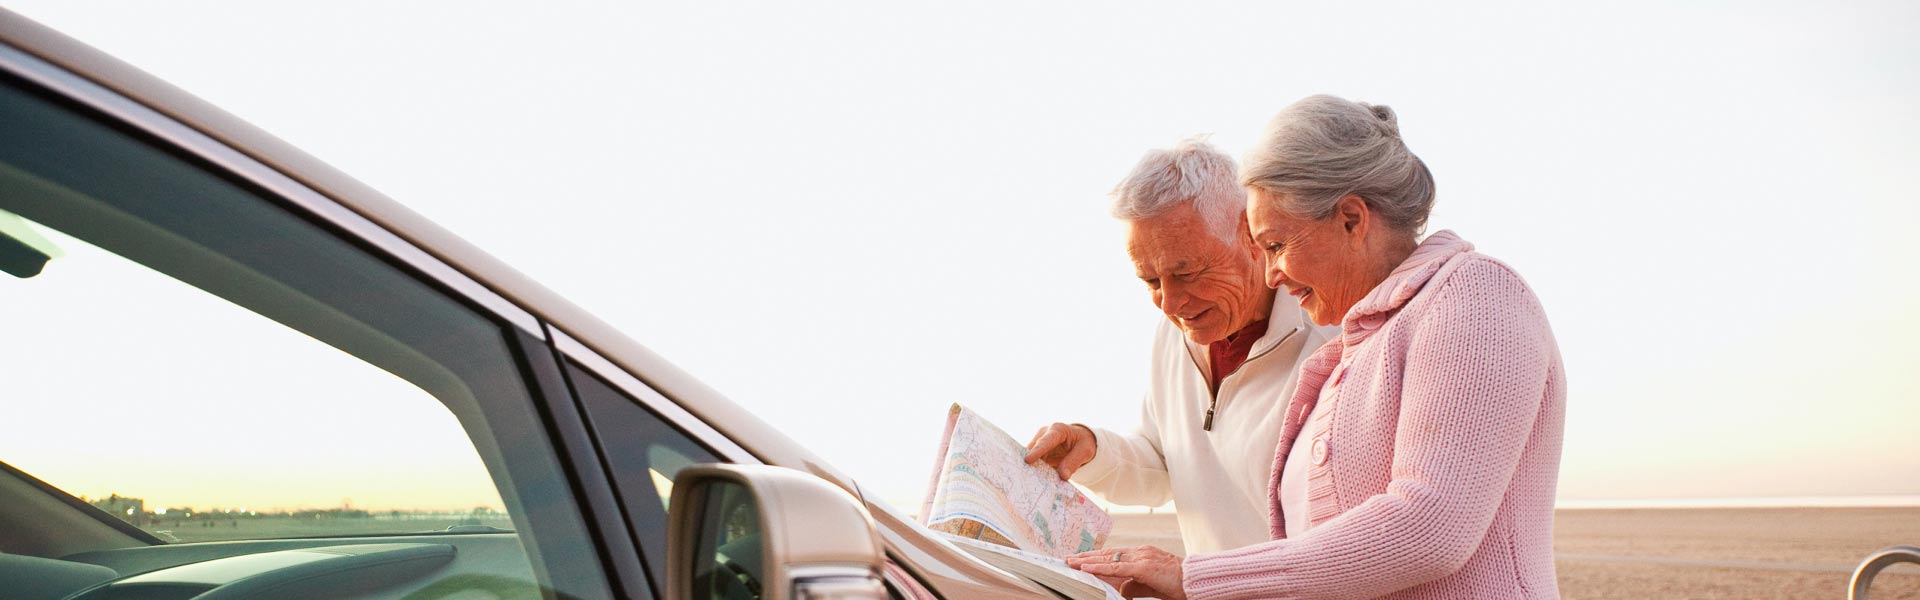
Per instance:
{"type": "Point", "coordinates": [1203, 336]}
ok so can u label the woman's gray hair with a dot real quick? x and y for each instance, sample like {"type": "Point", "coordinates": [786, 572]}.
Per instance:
{"type": "Point", "coordinates": [1322, 148]}
{"type": "Point", "coordinates": [1193, 173]}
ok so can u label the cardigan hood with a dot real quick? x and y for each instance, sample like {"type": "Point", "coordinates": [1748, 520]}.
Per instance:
{"type": "Point", "coordinates": [1400, 286]}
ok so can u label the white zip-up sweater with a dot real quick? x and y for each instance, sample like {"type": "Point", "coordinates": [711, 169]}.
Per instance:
{"type": "Point", "coordinates": [1217, 479]}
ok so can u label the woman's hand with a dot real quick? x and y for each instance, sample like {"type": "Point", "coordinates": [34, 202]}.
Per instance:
{"type": "Point", "coordinates": [1155, 572]}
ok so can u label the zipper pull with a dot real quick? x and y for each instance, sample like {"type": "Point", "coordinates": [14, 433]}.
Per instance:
{"type": "Point", "coordinates": [1207, 425]}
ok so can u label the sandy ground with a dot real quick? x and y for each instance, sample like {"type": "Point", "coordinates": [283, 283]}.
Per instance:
{"type": "Point", "coordinates": [1691, 553]}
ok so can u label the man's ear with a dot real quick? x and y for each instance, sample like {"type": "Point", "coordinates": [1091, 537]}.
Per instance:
{"type": "Point", "coordinates": [1354, 216]}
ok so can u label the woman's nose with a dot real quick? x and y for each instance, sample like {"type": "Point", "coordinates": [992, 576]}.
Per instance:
{"type": "Point", "coordinates": [1275, 276]}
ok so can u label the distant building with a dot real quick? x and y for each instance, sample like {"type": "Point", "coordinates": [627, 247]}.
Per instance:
{"type": "Point", "coordinates": [131, 510]}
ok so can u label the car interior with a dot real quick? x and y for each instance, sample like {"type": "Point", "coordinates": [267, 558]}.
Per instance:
{"type": "Point", "coordinates": [101, 557]}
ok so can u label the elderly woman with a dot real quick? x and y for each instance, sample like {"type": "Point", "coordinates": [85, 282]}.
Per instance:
{"type": "Point", "coordinates": [1419, 452]}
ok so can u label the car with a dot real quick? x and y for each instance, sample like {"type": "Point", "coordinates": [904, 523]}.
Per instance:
{"type": "Point", "coordinates": [192, 304]}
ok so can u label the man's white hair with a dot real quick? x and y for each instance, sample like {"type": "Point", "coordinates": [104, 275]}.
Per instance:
{"type": "Point", "coordinates": [1191, 173]}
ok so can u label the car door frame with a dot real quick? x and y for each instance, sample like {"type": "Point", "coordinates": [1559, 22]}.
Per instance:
{"type": "Point", "coordinates": [569, 350]}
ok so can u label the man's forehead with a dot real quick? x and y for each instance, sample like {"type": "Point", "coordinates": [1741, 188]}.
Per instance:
{"type": "Point", "coordinates": [1175, 253]}
{"type": "Point", "coordinates": [1169, 239]}
{"type": "Point", "coordinates": [1153, 266]}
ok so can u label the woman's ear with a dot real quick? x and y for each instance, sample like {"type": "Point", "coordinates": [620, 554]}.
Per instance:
{"type": "Point", "coordinates": [1353, 215]}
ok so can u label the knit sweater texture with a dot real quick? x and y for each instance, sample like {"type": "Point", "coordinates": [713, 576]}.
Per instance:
{"type": "Point", "coordinates": [1433, 471]}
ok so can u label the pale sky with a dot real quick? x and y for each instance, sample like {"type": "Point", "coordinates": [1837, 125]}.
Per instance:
{"type": "Point", "coordinates": [848, 217]}
{"type": "Point", "coordinates": [185, 401]}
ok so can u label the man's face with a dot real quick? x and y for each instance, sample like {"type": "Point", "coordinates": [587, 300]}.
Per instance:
{"type": "Point", "coordinates": [1210, 288]}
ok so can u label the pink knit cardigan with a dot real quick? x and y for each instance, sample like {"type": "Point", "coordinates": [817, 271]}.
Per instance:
{"type": "Point", "coordinates": [1433, 470]}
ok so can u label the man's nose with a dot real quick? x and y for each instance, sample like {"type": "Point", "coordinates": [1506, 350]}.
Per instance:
{"type": "Point", "coordinates": [1173, 297]}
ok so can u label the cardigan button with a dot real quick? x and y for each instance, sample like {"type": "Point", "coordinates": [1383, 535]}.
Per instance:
{"type": "Point", "coordinates": [1320, 451]}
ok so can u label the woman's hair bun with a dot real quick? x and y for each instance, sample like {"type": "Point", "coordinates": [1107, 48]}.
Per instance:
{"type": "Point", "coordinates": [1385, 114]}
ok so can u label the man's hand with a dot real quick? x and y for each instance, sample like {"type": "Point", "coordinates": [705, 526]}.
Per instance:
{"type": "Point", "coordinates": [1065, 447]}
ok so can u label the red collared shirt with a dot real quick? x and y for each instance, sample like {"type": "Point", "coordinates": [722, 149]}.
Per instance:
{"type": "Point", "coordinates": [1228, 354]}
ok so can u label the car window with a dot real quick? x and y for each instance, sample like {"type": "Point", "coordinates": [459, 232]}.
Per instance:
{"type": "Point", "coordinates": [205, 365]}
{"type": "Point", "coordinates": [204, 422]}
{"type": "Point", "coordinates": [644, 453]}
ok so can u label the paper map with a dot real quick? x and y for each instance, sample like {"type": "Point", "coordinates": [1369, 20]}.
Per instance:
{"type": "Point", "coordinates": [983, 489]}
{"type": "Point", "coordinates": [1049, 571]}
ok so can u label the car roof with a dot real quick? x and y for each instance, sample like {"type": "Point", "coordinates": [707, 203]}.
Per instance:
{"type": "Point", "coordinates": [744, 428]}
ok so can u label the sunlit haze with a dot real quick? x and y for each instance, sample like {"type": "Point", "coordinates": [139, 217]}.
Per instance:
{"type": "Point", "coordinates": [849, 216]}
{"type": "Point", "coordinates": [183, 400]}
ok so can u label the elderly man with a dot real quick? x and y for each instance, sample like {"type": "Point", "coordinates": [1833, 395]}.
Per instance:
{"type": "Point", "coordinates": [1223, 363]}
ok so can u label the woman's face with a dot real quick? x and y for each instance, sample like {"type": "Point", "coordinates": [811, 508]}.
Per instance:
{"type": "Point", "coordinates": [1320, 262]}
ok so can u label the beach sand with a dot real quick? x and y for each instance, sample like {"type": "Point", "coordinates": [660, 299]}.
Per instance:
{"type": "Point", "coordinates": [1690, 552]}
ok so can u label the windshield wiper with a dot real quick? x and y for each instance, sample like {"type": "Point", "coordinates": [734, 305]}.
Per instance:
{"type": "Point", "coordinates": [465, 529]}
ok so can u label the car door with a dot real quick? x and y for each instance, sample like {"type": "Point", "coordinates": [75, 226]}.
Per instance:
{"type": "Point", "coordinates": [645, 440]}
{"type": "Point", "coordinates": [182, 317]}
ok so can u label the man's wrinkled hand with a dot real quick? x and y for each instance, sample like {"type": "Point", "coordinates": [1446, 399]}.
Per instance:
{"type": "Point", "coordinates": [1064, 447]}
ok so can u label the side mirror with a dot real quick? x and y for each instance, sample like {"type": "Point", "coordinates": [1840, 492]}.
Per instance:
{"type": "Point", "coordinates": [769, 533]}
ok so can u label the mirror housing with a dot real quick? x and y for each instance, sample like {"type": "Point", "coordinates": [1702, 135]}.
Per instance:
{"type": "Point", "coordinates": [813, 539]}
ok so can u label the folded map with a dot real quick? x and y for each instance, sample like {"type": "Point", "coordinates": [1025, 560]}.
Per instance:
{"type": "Point", "coordinates": [1045, 570]}
{"type": "Point", "coordinates": [983, 489]}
